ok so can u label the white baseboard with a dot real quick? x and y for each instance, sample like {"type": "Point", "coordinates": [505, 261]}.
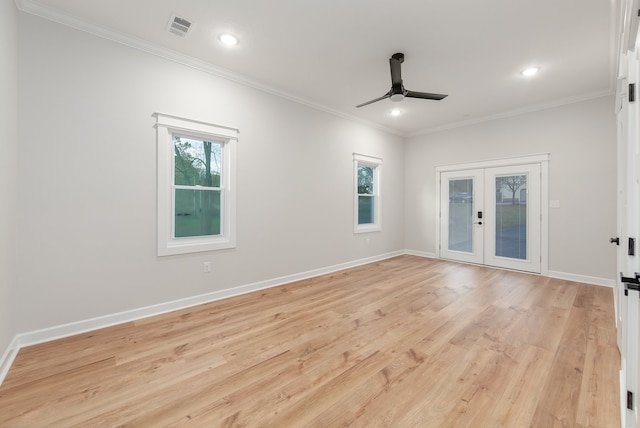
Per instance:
{"type": "Point", "coordinates": [420, 254]}
{"type": "Point", "coordinates": [65, 330]}
{"type": "Point", "coordinates": [83, 326]}
{"type": "Point", "coordinates": [7, 358]}
{"type": "Point", "coordinates": [593, 280]}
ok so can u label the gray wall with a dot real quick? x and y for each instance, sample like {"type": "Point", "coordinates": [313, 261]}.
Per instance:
{"type": "Point", "coordinates": [8, 166]}
{"type": "Point", "coordinates": [87, 222]}
{"type": "Point", "coordinates": [581, 139]}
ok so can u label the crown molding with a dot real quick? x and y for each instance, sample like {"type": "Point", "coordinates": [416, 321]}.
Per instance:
{"type": "Point", "coordinates": [514, 112]}
{"type": "Point", "coordinates": [51, 14]}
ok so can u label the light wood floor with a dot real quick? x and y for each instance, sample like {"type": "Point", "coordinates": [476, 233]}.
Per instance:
{"type": "Point", "coordinates": [406, 342]}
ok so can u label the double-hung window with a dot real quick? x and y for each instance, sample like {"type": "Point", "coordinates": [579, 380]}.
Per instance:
{"type": "Point", "coordinates": [368, 199]}
{"type": "Point", "coordinates": [196, 186]}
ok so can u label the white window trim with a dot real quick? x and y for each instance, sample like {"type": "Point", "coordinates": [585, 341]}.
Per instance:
{"type": "Point", "coordinates": [376, 163]}
{"type": "Point", "coordinates": [166, 127]}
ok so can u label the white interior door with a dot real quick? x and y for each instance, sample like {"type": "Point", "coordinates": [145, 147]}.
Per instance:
{"type": "Point", "coordinates": [621, 301]}
{"type": "Point", "coordinates": [461, 231]}
{"type": "Point", "coordinates": [628, 261]}
{"type": "Point", "coordinates": [492, 216]}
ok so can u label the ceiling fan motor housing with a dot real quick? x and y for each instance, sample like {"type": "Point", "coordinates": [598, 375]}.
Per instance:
{"type": "Point", "coordinates": [399, 56]}
{"type": "Point", "coordinates": [397, 91]}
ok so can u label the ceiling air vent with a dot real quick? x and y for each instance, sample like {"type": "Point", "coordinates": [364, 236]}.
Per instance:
{"type": "Point", "coordinates": [180, 26]}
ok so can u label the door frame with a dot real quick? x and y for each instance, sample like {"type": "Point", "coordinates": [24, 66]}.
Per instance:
{"type": "Point", "coordinates": [542, 159]}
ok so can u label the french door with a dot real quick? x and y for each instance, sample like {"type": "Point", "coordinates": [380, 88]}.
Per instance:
{"type": "Point", "coordinates": [492, 216]}
{"type": "Point", "coordinates": [461, 229]}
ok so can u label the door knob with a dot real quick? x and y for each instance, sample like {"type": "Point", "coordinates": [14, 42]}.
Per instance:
{"type": "Point", "coordinates": [478, 222]}
{"type": "Point", "coordinates": [615, 240]}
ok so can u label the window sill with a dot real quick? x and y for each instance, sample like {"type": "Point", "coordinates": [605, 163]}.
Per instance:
{"type": "Point", "coordinates": [193, 246]}
{"type": "Point", "coordinates": [366, 228]}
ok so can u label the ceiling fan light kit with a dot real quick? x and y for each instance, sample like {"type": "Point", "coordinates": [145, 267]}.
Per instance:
{"type": "Point", "coordinates": [398, 91]}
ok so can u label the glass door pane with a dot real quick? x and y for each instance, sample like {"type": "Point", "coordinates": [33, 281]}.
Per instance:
{"type": "Point", "coordinates": [511, 216]}
{"type": "Point", "coordinates": [461, 215]}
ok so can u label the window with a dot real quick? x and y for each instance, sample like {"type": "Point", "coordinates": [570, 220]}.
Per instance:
{"type": "Point", "coordinates": [368, 200]}
{"type": "Point", "coordinates": [196, 186]}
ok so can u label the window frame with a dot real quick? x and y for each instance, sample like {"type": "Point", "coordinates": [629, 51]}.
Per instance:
{"type": "Point", "coordinates": [376, 164]}
{"type": "Point", "coordinates": [167, 127]}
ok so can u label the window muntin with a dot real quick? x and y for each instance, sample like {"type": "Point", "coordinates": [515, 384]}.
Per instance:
{"type": "Point", "coordinates": [196, 193]}
{"type": "Point", "coordinates": [368, 202]}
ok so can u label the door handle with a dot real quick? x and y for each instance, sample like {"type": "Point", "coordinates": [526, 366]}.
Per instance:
{"type": "Point", "coordinates": [629, 279]}
{"type": "Point", "coordinates": [630, 283]}
{"type": "Point", "coordinates": [615, 240]}
{"type": "Point", "coordinates": [477, 222]}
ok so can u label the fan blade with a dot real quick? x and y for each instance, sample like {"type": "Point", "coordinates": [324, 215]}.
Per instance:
{"type": "Point", "coordinates": [387, 95]}
{"type": "Point", "coordinates": [396, 73]}
{"type": "Point", "coordinates": [424, 95]}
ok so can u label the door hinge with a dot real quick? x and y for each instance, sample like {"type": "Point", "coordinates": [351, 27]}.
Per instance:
{"type": "Point", "coordinates": [629, 400]}
{"type": "Point", "coordinates": [632, 247]}
{"type": "Point", "coordinates": [632, 92]}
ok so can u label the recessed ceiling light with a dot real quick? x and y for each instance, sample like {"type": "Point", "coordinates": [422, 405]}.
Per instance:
{"type": "Point", "coordinates": [228, 39]}
{"type": "Point", "coordinates": [530, 71]}
{"type": "Point", "coordinates": [395, 112]}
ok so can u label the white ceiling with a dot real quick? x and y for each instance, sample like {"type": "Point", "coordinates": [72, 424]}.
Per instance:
{"type": "Point", "coordinates": [334, 54]}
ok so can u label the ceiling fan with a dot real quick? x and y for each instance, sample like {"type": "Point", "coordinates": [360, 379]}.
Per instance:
{"type": "Point", "coordinates": [397, 91]}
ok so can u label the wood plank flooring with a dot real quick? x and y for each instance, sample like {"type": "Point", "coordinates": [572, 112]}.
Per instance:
{"type": "Point", "coordinates": [406, 342]}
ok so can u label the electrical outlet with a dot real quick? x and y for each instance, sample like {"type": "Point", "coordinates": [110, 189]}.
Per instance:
{"type": "Point", "coordinates": [206, 267]}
